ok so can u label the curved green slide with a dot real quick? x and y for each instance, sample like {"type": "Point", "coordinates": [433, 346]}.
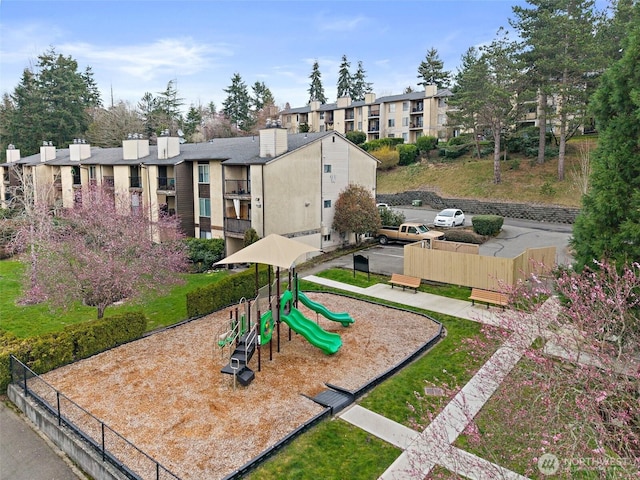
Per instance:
{"type": "Point", "coordinates": [328, 342]}
{"type": "Point", "coordinates": [344, 318]}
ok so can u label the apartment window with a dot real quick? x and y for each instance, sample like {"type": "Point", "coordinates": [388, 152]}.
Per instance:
{"type": "Point", "coordinates": [205, 234]}
{"type": "Point", "coordinates": [205, 207]}
{"type": "Point", "coordinates": [359, 126]}
{"type": "Point", "coordinates": [405, 121]}
{"type": "Point", "coordinates": [405, 106]}
{"type": "Point", "coordinates": [321, 115]}
{"type": "Point", "coordinates": [392, 108]}
{"type": "Point", "coordinates": [327, 204]}
{"type": "Point", "coordinates": [326, 238]}
{"type": "Point", "coordinates": [203, 173]}
{"type": "Point", "coordinates": [405, 137]}
{"type": "Point", "coordinates": [92, 172]}
{"type": "Point", "coordinates": [327, 169]}
{"type": "Point", "coordinates": [392, 122]}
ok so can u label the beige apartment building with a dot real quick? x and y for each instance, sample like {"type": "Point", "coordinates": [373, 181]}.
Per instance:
{"type": "Point", "coordinates": [274, 182]}
{"type": "Point", "coordinates": [407, 116]}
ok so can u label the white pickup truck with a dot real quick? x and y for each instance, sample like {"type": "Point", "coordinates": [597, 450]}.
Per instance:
{"type": "Point", "coordinates": [407, 232]}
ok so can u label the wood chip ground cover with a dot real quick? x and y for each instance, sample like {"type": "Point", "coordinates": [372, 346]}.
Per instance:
{"type": "Point", "coordinates": [165, 393]}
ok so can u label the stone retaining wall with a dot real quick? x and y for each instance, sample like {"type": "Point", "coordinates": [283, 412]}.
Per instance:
{"type": "Point", "coordinates": [539, 213]}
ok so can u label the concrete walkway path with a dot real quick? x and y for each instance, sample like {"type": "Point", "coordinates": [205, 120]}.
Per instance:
{"type": "Point", "coordinates": [422, 451]}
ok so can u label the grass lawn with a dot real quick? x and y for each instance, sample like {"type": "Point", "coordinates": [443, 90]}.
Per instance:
{"type": "Point", "coordinates": [33, 320]}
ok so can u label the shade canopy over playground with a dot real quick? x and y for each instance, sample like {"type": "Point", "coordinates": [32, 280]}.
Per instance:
{"type": "Point", "coordinates": [273, 249]}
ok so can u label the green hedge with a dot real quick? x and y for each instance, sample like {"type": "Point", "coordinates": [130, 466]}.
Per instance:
{"type": "Point", "coordinates": [227, 291]}
{"type": "Point", "coordinates": [487, 224]}
{"type": "Point", "coordinates": [408, 154]}
{"type": "Point", "coordinates": [47, 352]}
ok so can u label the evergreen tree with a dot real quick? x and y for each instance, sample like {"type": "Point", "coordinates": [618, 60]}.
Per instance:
{"type": "Point", "coordinates": [149, 112]}
{"type": "Point", "coordinates": [237, 106]}
{"type": "Point", "coordinates": [608, 227]}
{"type": "Point", "coordinates": [52, 102]}
{"type": "Point", "coordinates": [193, 120]}
{"type": "Point", "coordinates": [431, 71]}
{"type": "Point", "coordinates": [359, 85]}
{"type": "Point", "coordinates": [262, 96]}
{"type": "Point", "coordinates": [168, 106]}
{"type": "Point", "coordinates": [344, 78]}
{"type": "Point", "coordinates": [316, 90]}
{"type": "Point", "coordinates": [559, 46]}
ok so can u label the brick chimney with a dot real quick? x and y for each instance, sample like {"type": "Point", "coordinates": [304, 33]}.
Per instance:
{"type": "Point", "coordinates": [79, 150]}
{"type": "Point", "coordinates": [273, 140]}
{"type": "Point", "coordinates": [13, 154]}
{"type": "Point", "coordinates": [47, 151]}
{"type": "Point", "coordinates": [135, 147]}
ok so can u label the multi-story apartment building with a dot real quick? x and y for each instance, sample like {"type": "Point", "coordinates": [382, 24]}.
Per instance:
{"type": "Point", "coordinates": [407, 116]}
{"type": "Point", "coordinates": [273, 183]}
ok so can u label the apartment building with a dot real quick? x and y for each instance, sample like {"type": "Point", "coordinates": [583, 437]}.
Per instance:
{"type": "Point", "coordinates": [273, 182]}
{"type": "Point", "coordinates": [408, 116]}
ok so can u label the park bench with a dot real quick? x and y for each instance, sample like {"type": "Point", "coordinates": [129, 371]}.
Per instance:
{"type": "Point", "coordinates": [404, 281]}
{"type": "Point", "coordinates": [488, 297]}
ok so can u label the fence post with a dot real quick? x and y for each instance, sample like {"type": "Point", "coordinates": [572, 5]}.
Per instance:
{"type": "Point", "coordinates": [157, 471]}
{"type": "Point", "coordinates": [102, 428]}
{"type": "Point", "coordinates": [58, 402]}
{"type": "Point", "coordinates": [24, 378]}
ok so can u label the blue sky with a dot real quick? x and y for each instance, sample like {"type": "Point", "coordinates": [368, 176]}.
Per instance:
{"type": "Point", "coordinates": [135, 47]}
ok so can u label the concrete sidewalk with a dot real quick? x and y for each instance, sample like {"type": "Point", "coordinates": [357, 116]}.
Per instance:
{"type": "Point", "coordinates": [422, 451]}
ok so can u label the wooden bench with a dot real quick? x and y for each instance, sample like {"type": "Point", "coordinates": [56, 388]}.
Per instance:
{"type": "Point", "coordinates": [404, 281]}
{"type": "Point", "coordinates": [488, 297]}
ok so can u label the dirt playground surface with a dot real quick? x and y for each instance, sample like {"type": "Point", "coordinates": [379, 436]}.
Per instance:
{"type": "Point", "coordinates": [166, 395]}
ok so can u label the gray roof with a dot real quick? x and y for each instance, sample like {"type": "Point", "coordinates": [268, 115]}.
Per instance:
{"type": "Point", "coordinates": [233, 151]}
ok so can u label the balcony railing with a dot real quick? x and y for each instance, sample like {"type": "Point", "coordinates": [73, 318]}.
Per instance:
{"type": "Point", "coordinates": [166, 183]}
{"type": "Point", "coordinates": [237, 187]}
{"type": "Point", "coordinates": [374, 113]}
{"type": "Point", "coordinates": [236, 225]}
{"type": "Point", "coordinates": [135, 182]}
{"type": "Point", "coordinates": [350, 116]}
{"type": "Point", "coordinates": [418, 109]}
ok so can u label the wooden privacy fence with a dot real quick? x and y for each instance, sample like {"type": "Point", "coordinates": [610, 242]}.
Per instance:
{"type": "Point", "coordinates": [473, 270]}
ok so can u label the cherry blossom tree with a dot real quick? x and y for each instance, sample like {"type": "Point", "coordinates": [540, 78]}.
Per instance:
{"type": "Point", "coordinates": [100, 253]}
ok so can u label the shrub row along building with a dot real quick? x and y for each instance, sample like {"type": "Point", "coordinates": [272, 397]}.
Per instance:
{"type": "Point", "coordinates": [274, 183]}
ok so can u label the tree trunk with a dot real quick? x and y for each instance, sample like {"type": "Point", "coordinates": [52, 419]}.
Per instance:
{"type": "Point", "coordinates": [101, 309]}
{"type": "Point", "coordinates": [496, 157]}
{"type": "Point", "coordinates": [563, 126]}
{"type": "Point", "coordinates": [542, 125]}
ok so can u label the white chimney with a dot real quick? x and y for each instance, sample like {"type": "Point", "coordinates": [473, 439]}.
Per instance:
{"type": "Point", "coordinates": [79, 150]}
{"type": "Point", "coordinates": [135, 147]}
{"type": "Point", "coordinates": [273, 140]}
{"type": "Point", "coordinates": [47, 151]}
{"type": "Point", "coordinates": [168, 147]}
{"type": "Point", "coordinates": [13, 154]}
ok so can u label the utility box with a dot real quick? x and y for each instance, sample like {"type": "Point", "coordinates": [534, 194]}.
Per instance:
{"type": "Point", "coordinates": [416, 203]}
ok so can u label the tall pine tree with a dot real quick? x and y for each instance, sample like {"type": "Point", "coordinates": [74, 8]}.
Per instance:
{"type": "Point", "coordinates": [344, 78]}
{"type": "Point", "coordinates": [431, 71]}
{"type": "Point", "coordinates": [360, 87]}
{"type": "Point", "coordinates": [316, 90]}
{"type": "Point", "coordinates": [608, 227]}
{"type": "Point", "coordinates": [237, 105]}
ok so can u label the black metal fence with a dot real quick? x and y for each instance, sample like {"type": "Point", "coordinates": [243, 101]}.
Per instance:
{"type": "Point", "coordinates": [109, 444]}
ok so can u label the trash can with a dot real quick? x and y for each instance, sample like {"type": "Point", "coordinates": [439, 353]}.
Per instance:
{"type": "Point", "coordinates": [416, 203]}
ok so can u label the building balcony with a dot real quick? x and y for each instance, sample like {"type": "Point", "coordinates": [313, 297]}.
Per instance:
{"type": "Point", "coordinates": [417, 111]}
{"type": "Point", "coordinates": [236, 225]}
{"type": "Point", "coordinates": [413, 126]}
{"type": "Point", "coordinates": [167, 184]}
{"type": "Point", "coordinates": [374, 128]}
{"type": "Point", "coordinates": [237, 187]}
{"type": "Point", "coordinates": [374, 113]}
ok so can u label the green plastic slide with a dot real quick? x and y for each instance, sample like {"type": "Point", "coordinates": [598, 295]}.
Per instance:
{"type": "Point", "coordinates": [344, 318]}
{"type": "Point", "coordinates": [328, 342]}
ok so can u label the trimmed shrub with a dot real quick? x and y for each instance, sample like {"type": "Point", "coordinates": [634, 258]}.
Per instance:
{"type": "Point", "coordinates": [47, 352]}
{"type": "Point", "coordinates": [227, 291]}
{"type": "Point", "coordinates": [489, 225]}
{"type": "Point", "coordinates": [356, 137]}
{"type": "Point", "coordinates": [204, 252]}
{"type": "Point", "coordinates": [381, 142]}
{"type": "Point", "coordinates": [407, 154]}
{"type": "Point", "coordinates": [464, 235]}
{"type": "Point", "coordinates": [391, 217]}
{"type": "Point", "coordinates": [426, 143]}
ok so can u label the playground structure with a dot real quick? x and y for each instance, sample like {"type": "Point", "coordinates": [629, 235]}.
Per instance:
{"type": "Point", "coordinates": [243, 336]}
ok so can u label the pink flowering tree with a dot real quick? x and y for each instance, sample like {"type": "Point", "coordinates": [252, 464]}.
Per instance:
{"type": "Point", "coordinates": [573, 391]}
{"type": "Point", "coordinates": [100, 253]}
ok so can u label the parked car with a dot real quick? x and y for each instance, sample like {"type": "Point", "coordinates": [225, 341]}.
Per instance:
{"type": "Point", "coordinates": [449, 217]}
{"type": "Point", "coordinates": [382, 206]}
{"type": "Point", "coordinates": [407, 232]}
